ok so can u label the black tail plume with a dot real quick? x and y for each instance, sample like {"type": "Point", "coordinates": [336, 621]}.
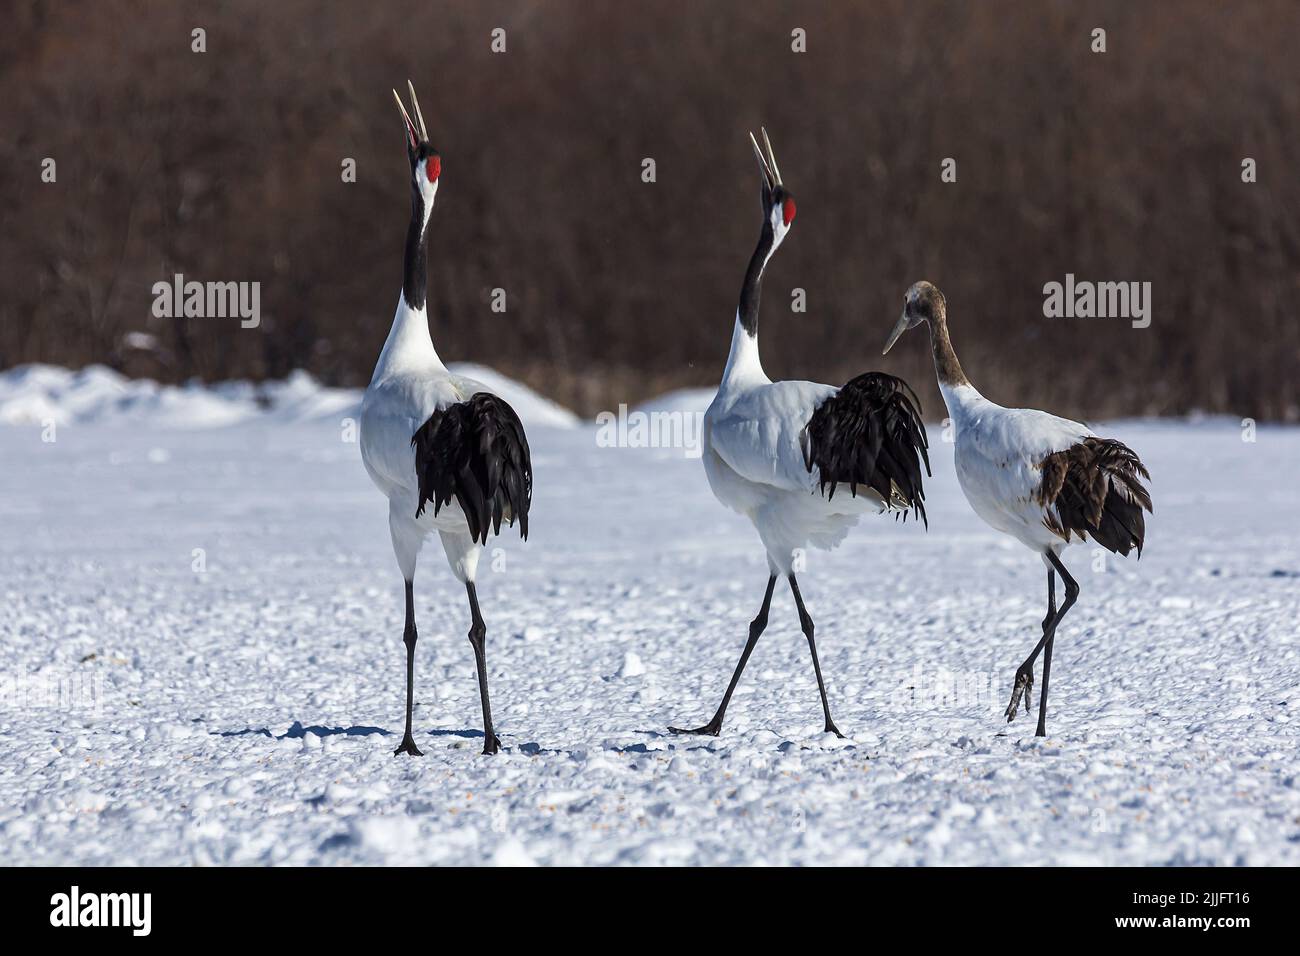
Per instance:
{"type": "Point", "coordinates": [476, 452]}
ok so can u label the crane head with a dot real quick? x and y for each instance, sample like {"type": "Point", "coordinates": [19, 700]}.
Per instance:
{"type": "Point", "coordinates": [777, 201]}
{"type": "Point", "coordinates": [922, 303]}
{"type": "Point", "coordinates": [426, 164]}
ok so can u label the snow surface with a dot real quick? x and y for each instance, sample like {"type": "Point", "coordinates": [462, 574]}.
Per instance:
{"type": "Point", "coordinates": [240, 703]}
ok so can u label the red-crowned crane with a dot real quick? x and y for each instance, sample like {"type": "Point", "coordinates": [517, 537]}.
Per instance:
{"type": "Point", "coordinates": [777, 452]}
{"type": "Point", "coordinates": [1046, 481]}
{"type": "Point", "coordinates": [449, 455]}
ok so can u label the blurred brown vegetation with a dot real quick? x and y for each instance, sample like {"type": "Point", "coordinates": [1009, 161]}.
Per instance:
{"type": "Point", "coordinates": [226, 166]}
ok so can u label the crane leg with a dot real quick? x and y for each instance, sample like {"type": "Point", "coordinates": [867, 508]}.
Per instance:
{"type": "Point", "coordinates": [1025, 672]}
{"type": "Point", "coordinates": [477, 634]}
{"type": "Point", "coordinates": [756, 626]}
{"type": "Point", "coordinates": [1071, 594]}
{"type": "Point", "coordinates": [806, 624]}
{"type": "Point", "coordinates": [409, 638]}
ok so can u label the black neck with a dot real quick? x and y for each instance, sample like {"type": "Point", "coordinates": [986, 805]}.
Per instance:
{"type": "Point", "coordinates": [752, 290]}
{"type": "Point", "coordinates": [415, 264]}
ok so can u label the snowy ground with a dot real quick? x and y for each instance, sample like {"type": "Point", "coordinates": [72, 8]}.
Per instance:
{"type": "Point", "coordinates": [201, 662]}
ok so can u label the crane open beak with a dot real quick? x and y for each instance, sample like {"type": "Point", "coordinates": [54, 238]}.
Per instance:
{"type": "Point", "coordinates": [424, 130]}
{"type": "Point", "coordinates": [414, 133]}
{"type": "Point", "coordinates": [412, 137]}
{"type": "Point", "coordinates": [767, 163]}
{"type": "Point", "coordinates": [899, 329]}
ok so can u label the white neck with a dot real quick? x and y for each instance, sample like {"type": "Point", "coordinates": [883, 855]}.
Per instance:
{"type": "Point", "coordinates": [409, 348]}
{"type": "Point", "coordinates": [744, 366]}
{"type": "Point", "coordinates": [965, 403]}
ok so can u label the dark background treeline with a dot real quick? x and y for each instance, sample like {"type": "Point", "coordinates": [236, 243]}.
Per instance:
{"type": "Point", "coordinates": [226, 166]}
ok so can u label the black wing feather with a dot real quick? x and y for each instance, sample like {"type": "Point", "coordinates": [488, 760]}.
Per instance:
{"type": "Point", "coordinates": [476, 452]}
{"type": "Point", "coordinates": [870, 433]}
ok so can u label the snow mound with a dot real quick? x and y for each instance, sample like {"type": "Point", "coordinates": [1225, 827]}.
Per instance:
{"type": "Point", "coordinates": [37, 394]}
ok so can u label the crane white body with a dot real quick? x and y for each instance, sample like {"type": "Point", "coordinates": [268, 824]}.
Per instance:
{"type": "Point", "coordinates": [998, 454]}
{"type": "Point", "coordinates": [755, 464]}
{"type": "Point", "coordinates": [409, 385]}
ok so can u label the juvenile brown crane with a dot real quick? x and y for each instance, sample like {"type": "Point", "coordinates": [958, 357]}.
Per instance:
{"type": "Point", "coordinates": [1046, 481]}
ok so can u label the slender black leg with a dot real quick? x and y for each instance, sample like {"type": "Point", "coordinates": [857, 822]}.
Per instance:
{"type": "Point", "coordinates": [1025, 673]}
{"type": "Point", "coordinates": [756, 626]}
{"type": "Point", "coordinates": [806, 623]}
{"type": "Point", "coordinates": [1071, 593]}
{"type": "Point", "coordinates": [1051, 600]}
{"type": "Point", "coordinates": [477, 632]}
{"type": "Point", "coordinates": [409, 638]}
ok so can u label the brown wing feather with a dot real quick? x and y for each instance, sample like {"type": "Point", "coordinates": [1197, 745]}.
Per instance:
{"type": "Point", "coordinates": [1094, 489]}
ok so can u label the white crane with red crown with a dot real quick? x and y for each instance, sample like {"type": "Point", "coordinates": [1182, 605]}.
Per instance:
{"type": "Point", "coordinates": [449, 455]}
{"type": "Point", "coordinates": [777, 452]}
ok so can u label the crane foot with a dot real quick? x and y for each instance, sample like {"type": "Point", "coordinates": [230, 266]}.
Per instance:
{"type": "Point", "coordinates": [1024, 685]}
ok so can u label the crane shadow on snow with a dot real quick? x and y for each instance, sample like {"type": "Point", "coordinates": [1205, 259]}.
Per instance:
{"type": "Point", "coordinates": [530, 748]}
{"type": "Point", "coordinates": [298, 731]}
{"type": "Point", "coordinates": [641, 749]}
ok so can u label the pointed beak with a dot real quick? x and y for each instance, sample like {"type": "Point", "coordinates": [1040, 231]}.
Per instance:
{"type": "Point", "coordinates": [771, 172]}
{"type": "Point", "coordinates": [899, 329]}
{"type": "Point", "coordinates": [771, 157]}
{"type": "Point", "coordinates": [762, 163]}
{"type": "Point", "coordinates": [412, 135]}
{"type": "Point", "coordinates": [424, 130]}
